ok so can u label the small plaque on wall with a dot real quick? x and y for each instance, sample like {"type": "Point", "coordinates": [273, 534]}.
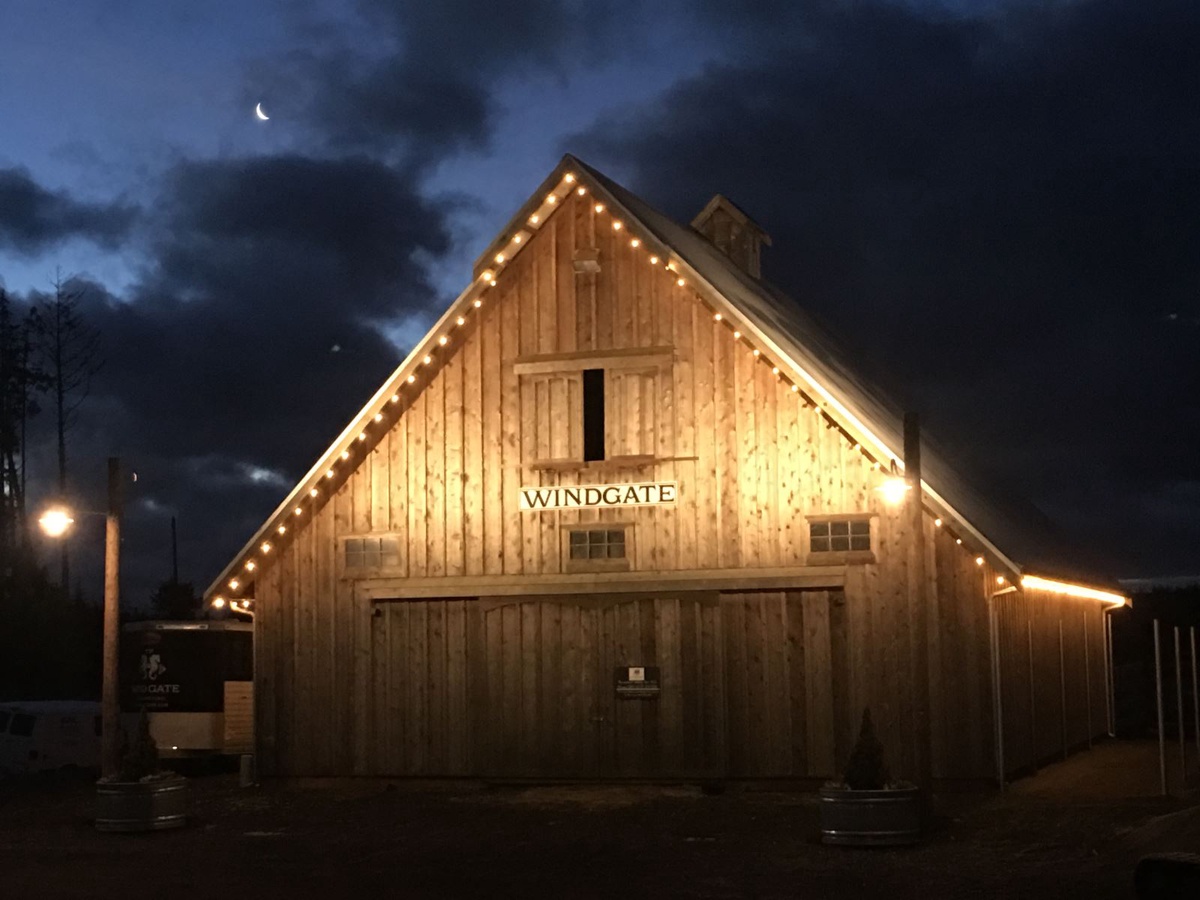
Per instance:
{"type": "Point", "coordinates": [637, 682]}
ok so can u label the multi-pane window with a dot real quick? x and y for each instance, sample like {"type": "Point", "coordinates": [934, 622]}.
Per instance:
{"type": "Point", "coordinates": [371, 552]}
{"type": "Point", "coordinates": [596, 543]}
{"type": "Point", "coordinates": [839, 536]}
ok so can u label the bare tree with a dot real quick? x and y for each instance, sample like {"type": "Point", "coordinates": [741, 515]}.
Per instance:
{"type": "Point", "coordinates": [19, 382]}
{"type": "Point", "coordinates": [69, 350]}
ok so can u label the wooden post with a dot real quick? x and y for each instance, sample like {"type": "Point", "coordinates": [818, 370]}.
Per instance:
{"type": "Point", "coordinates": [1062, 684]}
{"type": "Point", "coordinates": [1195, 692]}
{"type": "Point", "coordinates": [1162, 736]}
{"type": "Point", "coordinates": [1033, 744]}
{"type": "Point", "coordinates": [923, 747]}
{"type": "Point", "coordinates": [1179, 712]}
{"type": "Point", "coordinates": [109, 703]}
{"type": "Point", "coordinates": [1087, 679]}
{"type": "Point", "coordinates": [997, 698]}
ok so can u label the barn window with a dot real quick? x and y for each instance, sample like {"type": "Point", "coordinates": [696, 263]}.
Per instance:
{"type": "Point", "coordinates": [601, 548]}
{"type": "Point", "coordinates": [844, 538]}
{"type": "Point", "coordinates": [593, 414]}
{"type": "Point", "coordinates": [371, 552]}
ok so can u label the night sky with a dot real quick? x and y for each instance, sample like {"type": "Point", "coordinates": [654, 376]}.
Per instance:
{"type": "Point", "coordinates": [995, 204]}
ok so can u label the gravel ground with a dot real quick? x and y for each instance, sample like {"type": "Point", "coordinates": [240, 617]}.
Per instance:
{"type": "Point", "coordinates": [1060, 834]}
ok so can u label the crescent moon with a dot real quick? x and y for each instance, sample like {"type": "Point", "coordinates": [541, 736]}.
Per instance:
{"type": "Point", "coordinates": [258, 112]}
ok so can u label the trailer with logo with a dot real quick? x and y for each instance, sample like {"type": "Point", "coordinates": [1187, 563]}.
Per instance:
{"type": "Point", "coordinates": [194, 680]}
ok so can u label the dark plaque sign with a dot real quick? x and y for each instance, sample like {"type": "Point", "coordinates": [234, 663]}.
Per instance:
{"type": "Point", "coordinates": [637, 682]}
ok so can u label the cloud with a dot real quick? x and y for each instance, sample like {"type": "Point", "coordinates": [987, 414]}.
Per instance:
{"type": "Point", "coordinates": [998, 210]}
{"type": "Point", "coordinates": [417, 81]}
{"type": "Point", "coordinates": [34, 219]}
{"type": "Point", "coordinates": [220, 382]}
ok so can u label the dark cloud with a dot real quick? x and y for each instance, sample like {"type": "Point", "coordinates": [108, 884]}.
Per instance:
{"type": "Point", "coordinates": [999, 211]}
{"type": "Point", "coordinates": [418, 80]}
{"type": "Point", "coordinates": [34, 219]}
{"type": "Point", "coordinates": [221, 385]}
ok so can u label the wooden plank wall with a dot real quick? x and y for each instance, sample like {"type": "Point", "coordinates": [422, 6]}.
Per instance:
{"type": "Point", "coordinates": [751, 462]}
{"type": "Point", "coordinates": [1053, 697]}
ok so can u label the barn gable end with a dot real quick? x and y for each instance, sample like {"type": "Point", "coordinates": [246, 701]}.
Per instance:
{"type": "Point", "coordinates": [413, 595]}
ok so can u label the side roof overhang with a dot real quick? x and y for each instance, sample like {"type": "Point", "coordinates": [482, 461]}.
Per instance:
{"type": "Point", "coordinates": [806, 354]}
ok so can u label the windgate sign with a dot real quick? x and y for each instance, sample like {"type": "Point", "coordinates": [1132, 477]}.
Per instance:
{"type": "Point", "coordinates": [599, 496]}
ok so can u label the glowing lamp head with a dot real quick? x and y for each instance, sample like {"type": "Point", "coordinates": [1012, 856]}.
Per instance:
{"type": "Point", "coordinates": [635, 243]}
{"type": "Point", "coordinates": [717, 317]}
{"type": "Point", "coordinates": [282, 529]}
{"type": "Point", "coordinates": [461, 321]}
{"type": "Point", "coordinates": [218, 603]}
{"type": "Point", "coordinates": [581, 190]}
{"type": "Point", "coordinates": [251, 565]}
{"type": "Point", "coordinates": [894, 490]}
{"type": "Point", "coordinates": [378, 417]}
{"type": "Point", "coordinates": [617, 225]}
{"type": "Point", "coordinates": [569, 178]}
{"type": "Point", "coordinates": [264, 547]}
{"type": "Point", "coordinates": [479, 303]}
{"type": "Point", "coordinates": [499, 257]}
{"type": "Point", "coordinates": [680, 282]}
{"type": "Point", "coordinates": [599, 207]}
{"type": "Point", "coordinates": [443, 340]}
{"type": "Point", "coordinates": [55, 522]}
{"type": "Point", "coordinates": [534, 219]}
{"type": "Point", "coordinates": [552, 198]}
{"type": "Point", "coordinates": [654, 260]}
{"type": "Point", "coordinates": [313, 492]}
{"type": "Point", "coordinates": [979, 560]}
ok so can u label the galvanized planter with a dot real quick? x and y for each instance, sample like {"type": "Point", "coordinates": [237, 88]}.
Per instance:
{"type": "Point", "coordinates": [886, 818]}
{"type": "Point", "coordinates": [142, 805]}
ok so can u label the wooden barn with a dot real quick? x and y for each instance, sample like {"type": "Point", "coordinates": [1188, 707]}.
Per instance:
{"type": "Point", "coordinates": [628, 512]}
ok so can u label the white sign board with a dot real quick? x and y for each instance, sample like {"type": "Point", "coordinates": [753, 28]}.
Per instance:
{"type": "Point", "coordinates": [599, 496]}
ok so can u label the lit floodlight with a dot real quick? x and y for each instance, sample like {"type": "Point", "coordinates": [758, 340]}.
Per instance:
{"type": "Point", "coordinates": [56, 521]}
{"type": "Point", "coordinates": [894, 490]}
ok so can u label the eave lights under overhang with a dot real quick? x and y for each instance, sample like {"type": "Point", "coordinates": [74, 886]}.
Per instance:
{"type": "Point", "coordinates": [1033, 582]}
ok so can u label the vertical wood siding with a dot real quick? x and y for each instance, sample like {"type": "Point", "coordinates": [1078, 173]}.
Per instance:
{"type": "Point", "coordinates": [764, 684]}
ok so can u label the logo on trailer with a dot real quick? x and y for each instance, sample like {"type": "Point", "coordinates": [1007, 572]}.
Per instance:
{"type": "Point", "coordinates": [152, 664]}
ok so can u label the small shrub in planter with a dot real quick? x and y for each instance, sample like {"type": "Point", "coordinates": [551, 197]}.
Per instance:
{"type": "Point", "coordinates": [867, 808]}
{"type": "Point", "coordinates": [142, 797]}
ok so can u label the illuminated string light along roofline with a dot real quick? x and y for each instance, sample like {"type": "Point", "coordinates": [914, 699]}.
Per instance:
{"type": "Point", "coordinates": [564, 181]}
{"type": "Point", "coordinates": [858, 431]}
{"type": "Point", "coordinates": [1034, 582]}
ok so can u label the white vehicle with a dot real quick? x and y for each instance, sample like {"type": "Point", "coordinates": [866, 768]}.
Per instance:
{"type": "Point", "coordinates": [42, 735]}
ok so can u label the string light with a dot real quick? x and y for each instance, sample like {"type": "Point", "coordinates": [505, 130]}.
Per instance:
{"type": "Point", "coordinates": [395, 399]}
{"type": "Point", "coordinates": [756, 353]}
{"type": "Point", "coordinates": [569, 178]}
{"type": "Point", "coordinates": [329, 474]}
{"type": "Point", "coordinates": [218, 603]}
{"type": "Point", "coordinates": [533, 220]}
{"type": "Point", "coordinates": [427, 360]}
{"type": "Point", "coordinates": [635, 243]}
{"type": "Point", "coordinates": [314, 492]}
{"type": "Point", "coordinates": [581, 190]}
{"type": "Point", "coordinates": [616, 225]}
{"type": "Point", "coordinates": [1072, 590]}
{"type": "Point", "coordinates": [551, 198]}
{"type": "Point", "coordinates": [234, 584]}
{"type": "Point", "coordinates": [894, 490]}
{"type": "Point", "coordinates": [443, 340]}
{"type": "Point", "coordinates": [265, 547]}
{"type": "Point", "coordinates": [479, 303]}
{"type": "Point", "coordinates": [282, 529]}
{"type": "Point", "coordinates": [516, 238]}
{"type": "Point", "coordinates": [680, 282]}
{"type": "Point", "coordinates": [251, 565]}
{"type": "Point", "coordinates": [411, 380]}
{"type": "Point", "coordinates": [958, 541]}
{"type": "Point", "coordinates": [795, 388]}
{"type": "Point", "coordinates": [378, 417]}
{"type": "Point", "coordinates": [461, 321]}
{"type": "Point", "coordinates": [774, 370]}
{"type": "Point", "coordinates": [654, 260]}
{"type": "Point", "coordinates": [999, 579]}
{"type": "Point", "coordinates": [500, 257]}
{"type": "Point", "coordinates": [298, 511]}
{"type": "Point", "coordinates": [937, 523]}
{"type": "Point", "coordinates": [979, 560]}
{"type": "Point", "coordinates": [737, 335]}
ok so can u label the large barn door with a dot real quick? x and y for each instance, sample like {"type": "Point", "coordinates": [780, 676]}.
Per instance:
{"type": "Point", "coordinates": [549, 703]}
{"type": "Point", "coordinates": [787, 683]}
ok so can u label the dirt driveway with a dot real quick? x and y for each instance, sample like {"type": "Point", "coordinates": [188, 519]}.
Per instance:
{"type": "Point", "coordinates": [369, 837]}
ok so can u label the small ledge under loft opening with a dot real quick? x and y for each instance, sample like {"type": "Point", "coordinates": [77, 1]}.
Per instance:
{"type": "Point", "coordinates": [734, 233]}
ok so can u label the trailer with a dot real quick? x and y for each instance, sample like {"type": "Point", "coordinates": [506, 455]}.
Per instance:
{"type": "Point", "coordinates": [195, 682]}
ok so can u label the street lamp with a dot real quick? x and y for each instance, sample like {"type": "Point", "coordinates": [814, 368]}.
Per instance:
{"type": "Point", "coordinates": [55, 522]}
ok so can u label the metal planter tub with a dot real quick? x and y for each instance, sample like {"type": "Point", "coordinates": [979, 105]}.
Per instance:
{"type": "Point", "coordinates": [142, 805]}
{"type": "Point", "coordinates": [886, 818]}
